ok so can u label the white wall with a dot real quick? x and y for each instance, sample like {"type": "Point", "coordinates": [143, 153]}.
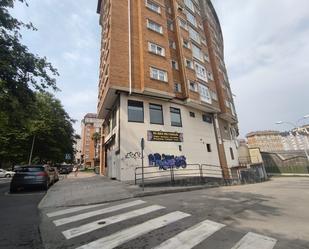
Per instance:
{"type": "Point", "coordinates": [227, 145]}
{"type": "Point", "coordinates": [196, 135]}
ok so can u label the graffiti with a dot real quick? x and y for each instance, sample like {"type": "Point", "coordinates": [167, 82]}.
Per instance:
{"type": "Point", "coordinates": [167, 161]}
{"type": "Point", "coordinates": [133, 155]}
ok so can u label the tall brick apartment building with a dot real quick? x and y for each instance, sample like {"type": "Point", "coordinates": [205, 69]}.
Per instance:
{"type": "Point", "coordinates": [163, 78]}
{"type": "Point", "coordinates": [89, 150]}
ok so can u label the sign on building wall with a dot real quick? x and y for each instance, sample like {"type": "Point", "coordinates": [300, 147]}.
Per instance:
{"type": "Point", "coordinates": [163, 136]}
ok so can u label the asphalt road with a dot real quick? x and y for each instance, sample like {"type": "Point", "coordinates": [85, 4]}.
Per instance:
{"type": "Point", "coordinates": [19, 218]}
{"type": "Point", "coordinates": [270, 215]}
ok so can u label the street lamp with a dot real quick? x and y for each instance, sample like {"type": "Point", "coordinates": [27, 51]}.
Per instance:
{"type": "Point", "coordinates": [297, 128]}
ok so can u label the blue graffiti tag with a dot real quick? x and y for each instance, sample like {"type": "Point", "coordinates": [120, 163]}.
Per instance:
{"type": "Point", "coordinates": [167, 161]}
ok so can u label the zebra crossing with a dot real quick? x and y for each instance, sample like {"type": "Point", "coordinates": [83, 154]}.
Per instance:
{"type": "Point", "coordinates": [66, 221]}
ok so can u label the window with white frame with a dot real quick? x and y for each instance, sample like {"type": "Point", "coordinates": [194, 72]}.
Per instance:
{"type": "Point", "coordinates": [204, 94]}
{"type": "Point", "coordinates": [186, 43]}
{"type": "Point", "coordinates": [154, 26]}
{"type": "Point", "coordinates": [206, 57]}
{"type": "Point", "coordinates": [194, 35]}
{"type": "Point", "coordinates": [201, 72]}
{"type": "Point", "coordinates": [156, 49]}
{"type": "Point", "coordinates": [153, 6]}
{"type": "Point", "coordinates": [197, 53]}
{"type": "Point", "coordinates": [214, 95]}
{"type": "Point", "coordinates": [177, 87]}
{"type": "Point", "coordinates": [158, 74]}
{"type": "Point", "coordinates": [183, 24]}
{"type": "Point", "coordinates": [191, 19]}
{"type": "Point", "coordinates": [232, 109]}
{"type": "Point", "coordinates": [172, 44]}
{"type": "Point", "coordinates": [174, 64]}
{"type": "Point", "coordinates": [189, 64]}
{"type": "Point", "coordinates": [192, 86]}
{"type": "Point", "coordinates": [189, 4]}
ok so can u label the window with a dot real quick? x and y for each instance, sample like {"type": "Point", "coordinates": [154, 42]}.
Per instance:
{"type": "Point", "coordinates": [177, 88]}
{"type": "Point", "coordinates": [204, 94]}
{"type": "Point", "coordinates": [156, 49]}
{"type": "Point", "coordinates": [170, 25]}
{"type": "Point", "coordinates": [194, 35]}
{"type": "Point", "coordinates": [206, 57]}
{"type": "Point", "coordinates": [232, 109]}
{"type": "Point", "coordinates": [158, 74]}
{"type": "Point", "coordinates": [232, 153]}
{"type": "Point", "coordinates": [189, 4]}
{"type": "Point", "coordinates": [153, 6]}
{"type": "Point", "coordinates": [114, 118]}
{"type": "Point", "coordinates": [175, 117]}
{"type": "Point", "coordinates": [156, 114]}
{"type": "Point", "coordinates": [214, 95]}
{"type": "Point", "coordinates": [175, 65]}
{"type": "Point", "coordinates": [203, 40]}
{"type": "Point", "coordinates": [192, 86]}
{"type": "Point", "coordinates": [197, 53]}
{"type": "Point", "coordinates": [227, 104]}
{"type": "Point", "coordinates": [135, 111]}
{"type": "Point", "coordinates": [192, 114]}
{"type": "Point", "coordinates": [154, 26]}
{"type": "Point", "coordinates": [200, 71]}
{"type": "Point", "coordinates": [172, 44]}
{"type": "Point", "coordinates": [207, 118]}
{"type": "Point", "coordinates": [183, 24]}
{"type": "Point", "coordinates": [189, 64]}
{"type": "Point", "coordinates": [208, 147]}
{"type": "Point", "coordinates": [191, 19]}
{"type": "Point", "coordinates": [186, 43]}
{"type": "Point", "coordinates": [210, 76]}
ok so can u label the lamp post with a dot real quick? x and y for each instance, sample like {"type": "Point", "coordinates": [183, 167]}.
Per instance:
{"type": "Point", "coordinates": [297, 128]}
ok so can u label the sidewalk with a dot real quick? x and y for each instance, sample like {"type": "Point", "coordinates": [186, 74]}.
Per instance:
{"type": "Point", "coordinates": [88, 188]}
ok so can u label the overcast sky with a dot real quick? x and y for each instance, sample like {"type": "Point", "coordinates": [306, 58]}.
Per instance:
{"type": "Point", "coordinates": [266, 53]}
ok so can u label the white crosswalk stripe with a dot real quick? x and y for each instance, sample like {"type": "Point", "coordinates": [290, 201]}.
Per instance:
{"type": "Point", "coordinates": [97, 212]}
{"type": "Point", "coordinates": [255, 241]}
{"type": "Point", "coordinates": [128, 234]}
{"type": "Point", "coordinates": [198, 234]}
{"type": "Point", "coordinates": [71, 233]}
{"type": "Point", "coordinates": [72, 210]}
{"type": "Point", "coordinates": [192, 236]}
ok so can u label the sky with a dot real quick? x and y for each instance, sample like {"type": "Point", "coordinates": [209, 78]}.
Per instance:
{"type": "Point", "coordinates": [266, 54]}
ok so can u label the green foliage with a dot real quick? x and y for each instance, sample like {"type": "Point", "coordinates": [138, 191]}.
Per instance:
{"type": "Point", "coordinates": [26, 109]}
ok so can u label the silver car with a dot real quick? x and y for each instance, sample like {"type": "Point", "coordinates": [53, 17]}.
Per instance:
{"type": "Point", "coordinates": [6, 173]}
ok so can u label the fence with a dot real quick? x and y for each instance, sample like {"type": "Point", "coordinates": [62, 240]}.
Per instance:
{"type": "Point", "coordinates": [196, 172]}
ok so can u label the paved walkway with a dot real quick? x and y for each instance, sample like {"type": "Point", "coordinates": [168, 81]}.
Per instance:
{"type": "Point", "coordinates": [89, 188]}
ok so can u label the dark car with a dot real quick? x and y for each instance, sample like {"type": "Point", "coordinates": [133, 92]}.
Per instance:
{"type": "Point", "coordinates": [32, 176]}
{"type": "Point", "coordinates": [63, 170]}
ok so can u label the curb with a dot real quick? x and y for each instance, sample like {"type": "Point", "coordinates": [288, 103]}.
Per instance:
{"type": "Point", "coordinates": [170, 191]}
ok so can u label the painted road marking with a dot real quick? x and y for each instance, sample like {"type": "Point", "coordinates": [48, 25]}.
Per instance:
{"type": "Point", "coordinates": [72, 210]}
{"type": "Point", "coordinates": [192, 236]}
{"type": "Point", "coordinates": [71, 233]}
{"type": "Point", "coordinates": [97, 212]}
{"type": "Point", "coordinates": [128, 234]}
{"type": "Point", "coordinates": [255, 241]}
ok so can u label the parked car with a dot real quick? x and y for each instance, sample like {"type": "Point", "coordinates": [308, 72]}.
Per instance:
{"type": "Point", "coordinates": [32, 176]}
{"type": "Point", "coordinates": [64, 170]}
{"type": "Point", "coordinates": [6, 173]}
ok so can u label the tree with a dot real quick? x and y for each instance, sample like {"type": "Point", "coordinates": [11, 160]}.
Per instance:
{"type": "Point", "coordinates": [22, 74]}
{"type": "Point", "coordinates": [96, 138]}
{"type": "Point", "coordinates": [53, 129]}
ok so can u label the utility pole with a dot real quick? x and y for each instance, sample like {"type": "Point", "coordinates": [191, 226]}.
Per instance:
{"type": "Point", "coordinates": [30, 157]}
